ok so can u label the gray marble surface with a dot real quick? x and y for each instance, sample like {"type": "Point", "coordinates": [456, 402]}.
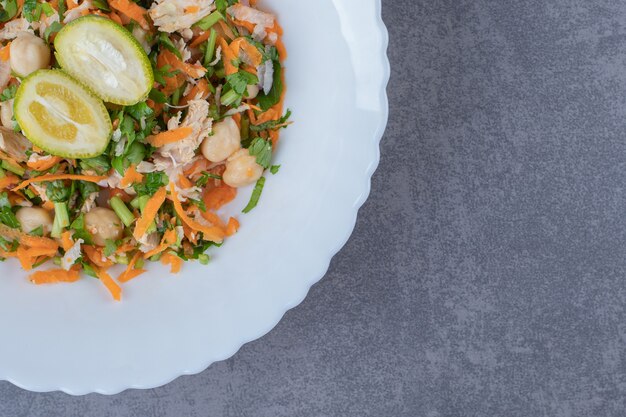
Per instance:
{"type": "Point", "coordinates": [486, 275]}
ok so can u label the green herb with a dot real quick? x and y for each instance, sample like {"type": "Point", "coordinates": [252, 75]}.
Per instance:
{"type": "Point", "coordinates": [274, 169]}
{"type": "Point", "coordinates": [78, 225]}
{"type": "Point", "coordinates": [139, 110]}
{"type": "Point", "coordinates": [204, 258]}
{"type": "Point", "coordinates": [151, 183]}
{"type": "Point", "coordinates": [57, 191]}
{"type": "Point", "coordinates": [8, 11]}
{"type": "Point", "coordinates": [262, 149]}
{"type": "Point", "coordinates": [256, 195]}
{"type": "Point", "coordinates": [103, 5]}
{"type": "Point", "coordinates": [164, 40]}
{"type": "Point", "coordinates": [54, 27]}
{"type": "Point", "coordinates": [8, 218]}
{"type": "Point", "coordinates": [157, 96]}
{"type": "Point", "coordinates": [206, 22]}
{"type": "Point", "coordinates": [240, 80]}
{"type": "Point", "coordinates": [230, 98]}
{"type": "Point", "coordinates": [4, 244]}
{"type": "Point", "coordinates": [29, 8]}
{"type": "Point", "coordinates": [136, 153]}
{"type": "Point", "coordinates": [164, 72]}
{"type": "Point", "coordinates": [110, 247]}
{"type": "Point", "coordinates": [88, 269]}
{"type": "Point", "coordinates": [8, 93]}
{"type": "Point", "coordinates": [61, 219]}
{"type": "Point", "coordinates": [47, 9]}
{"type": "Point", "coordinates": [267, 101]}
{"type": "Point", "coordinates": [9, 166]}
{"type": "Point", "coordinates": [210, 48]}
{"type": "Point", "coordinates": [204, 178]}
{"type": "Point", "coordinates": [198, 203]}
{"type": "Point", "coordinates": [272, 124]}
{"type": "Point", "coordinates": [37, 231]}
{"type": "Point", "coordinates": [122, 211]}
{"type": "Point", "coordinates": [100, 164]}
{"type": "Point", "coordinates": [62, 9]}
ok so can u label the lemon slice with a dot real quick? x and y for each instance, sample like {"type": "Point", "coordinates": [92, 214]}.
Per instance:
{"type": "Point", "coordinates": [106, 58]}
{"type": "Point", "coordinates": [60, 116]}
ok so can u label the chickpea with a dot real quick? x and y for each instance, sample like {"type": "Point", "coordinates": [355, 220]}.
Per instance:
{"type": "Point", "coordinates": [28, 54]}
{"type": "Point", "coordinates": [103, 224]}
{"type": "Point", "coordinates": [225, 140]}
{"type": "Point", "coordinates": [32, 217]}
{"type": "Point", "coordinates": [6, 114]}
{"type": "Point", "coordinates": [253, 91]}
{"type": "Point", "coordinates": [242, 169]}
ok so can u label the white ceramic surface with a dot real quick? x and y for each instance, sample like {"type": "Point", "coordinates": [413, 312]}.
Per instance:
{"type": "Point", "coordinates": [74, 338]}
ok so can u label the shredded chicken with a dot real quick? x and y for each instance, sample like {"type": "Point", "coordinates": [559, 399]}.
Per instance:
{"type": "Point", "coordinates": [44, 23]}
{"type": "Point", "coordinates": [142, 37]}
{"type": "Point", "coordinates": [14, 144]}
{"type": "Point", "coordinates": [183, 151]}
{"type": "Point", "coordinates": [90, 202]}
{"type": "Point", "coordinates": [148, 242]}
{"type": "Point", "coordinates": [12, 28]}
{"type": "Point", "coordinates": [71, 255]}
{"type": "Point", "coordinates": [77, 12]}
{"type": "Point", "coordinates": [173, 15]}
{"type": "Point", "coordinates": [181, 45]}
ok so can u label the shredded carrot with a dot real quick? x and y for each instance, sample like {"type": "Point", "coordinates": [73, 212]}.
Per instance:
{"type": "Point", "coordinates": [214, 234]}
{"type": "Point", "coordinates": [127, 247]}
{"type": "Point", "coordinates": [66, 240]}
{"type": "Point", "coordinates": [44, 164]}
{"type": "Point", "coordinates": [116, 18]}
{"type": "Point", "coordinates": [25, 260]}
{"type": "Point", "coordinates": [95, 255]}
{"type": "Point", "coordinates": [38, 242]}
{"type": "Point", "coordinates": [174, 261]}
{"type": "Point", "coordinates": [5, 52]}
{"type": "Point", "coordinates": [71, 4]}
{"type": "Point", "coordinates": [133, 273]}
{"type": "Point", "coordinates": [190, 234]}
{"type": "Point", "coordinates": [191, 9]}
{"type": "Point", "coordinates": [192, 70]}
{"type": "Point", "coordinates": [8, 181]}
{"type": "Point", "coordinates": [282, 51]}
{"type": "Point", "coordinates": [200, 164]}
{"type": "Point", "coordinates": [172, 83]}
{"type": "Point", "coordinates": [131, 176]}
{"type": "Point", "coordinates": [216, 197]}
{"type": "Point", "coordinates": [48, 205]}
{"type": "Point", "coordinates": [213, 219]}
{"type": "Point", "coordinates": [170, 136]}
{"type": "Point", "coordinates": [200, 89]}
{"type": "Point", "coordinates": [250, 50]}
{"type": "Point", "coordinates": [124, 276]}
{"type": "Point", "coordinates": [149, 213]}
{"type": "Point", "coordinates": [88, 178]}
{"type": "Point", "coordinates": [112, 286]}
{"type": "Point", "coordinates": [232, 227]}
{"type": "Point", "coordinates": [200, 39]}
{"type": "Point", "coordinates": [253, 107]}
{"type": "Point", "coordinates": [184, 181]}
{"type": "Point", "coordinates": [248, 25]}
{"type": "Point", "coordinates": [132, 10]}
{"type": "Point", "coordinates": [5, 254]}
{"type": "Point", "coordinates": [229, 57]}
{"type": "Point", "coordinates": [53, 276]}
{"type": "Point", "coordinates": [228, 32]}
{"type": "Point", "coordinates": [169, 238]}
{"type": "Point", "coordinates": [237, 120]}
{"type": "Point", "coordinates": [270, 114]}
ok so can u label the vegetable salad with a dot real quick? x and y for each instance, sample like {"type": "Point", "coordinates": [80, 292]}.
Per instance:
{"type": "Point", "coordinates": [127, 125]}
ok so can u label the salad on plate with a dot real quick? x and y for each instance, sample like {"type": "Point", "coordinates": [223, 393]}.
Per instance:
{"type": "Point", "coordinates": [127, 126]}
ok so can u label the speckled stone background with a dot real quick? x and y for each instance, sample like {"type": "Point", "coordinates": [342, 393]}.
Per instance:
{"type": "Point", "coordinates": [487, 272]}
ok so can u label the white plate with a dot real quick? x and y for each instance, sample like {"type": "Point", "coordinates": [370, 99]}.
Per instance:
{"type": "Point", "coordinates": [75, 339]}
